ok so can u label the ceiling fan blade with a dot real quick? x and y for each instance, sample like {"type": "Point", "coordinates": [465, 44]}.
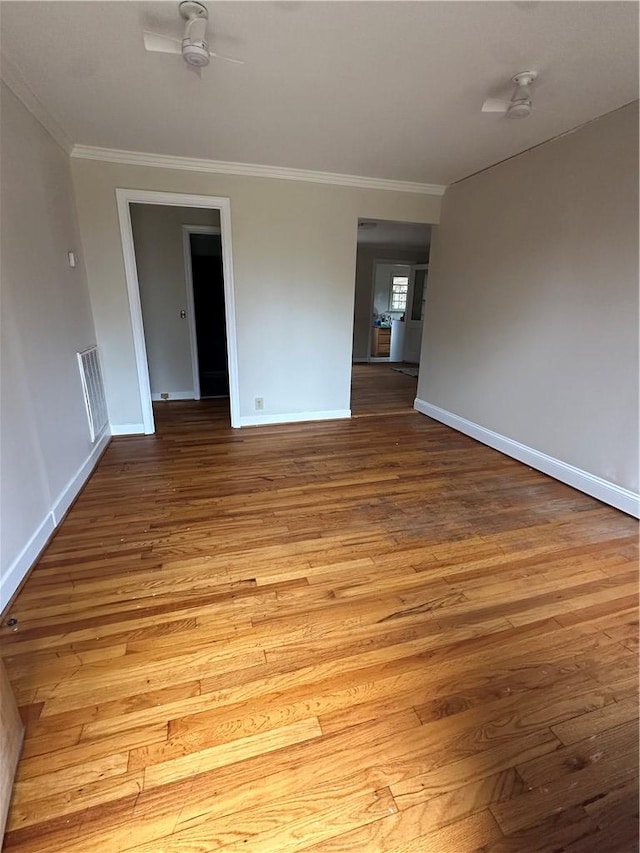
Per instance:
{"type": "Point", "coordinates": [161, 44]}
{"type": "Point", "coordinates": [226, 58]}
{"type": "Point", "coordinates": [495, 105]}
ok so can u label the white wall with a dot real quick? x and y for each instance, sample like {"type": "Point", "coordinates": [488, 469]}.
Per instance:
{"type": "Point", "coordinates": [45, 320]}
{"type": "Point", "coordinates": [366, 257]}
{"type": "Point", "coordinates": [532, 305]}
{"type": "Point", "coordinates": [157, 234]}
{"type": "Point", "coordinates": [294, 247]}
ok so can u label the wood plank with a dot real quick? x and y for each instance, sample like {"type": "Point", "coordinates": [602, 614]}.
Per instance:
{"type": "Point", "coordinates": [588, 780]}
{"type": "Point", "coordinates": [286, 824]}
{"type": "Point", "coordinates": [404, 833]}
{"type": "Point", "coordinates": [595, 722]}
{"type": "Point", "coordinates": [202, 760]}
{"type": "Point", "coordinates": [618, 744]}
{"type": "Point", "coordinates": [571, 830]}
{"type": "Point", "coordinates": [372, 635]}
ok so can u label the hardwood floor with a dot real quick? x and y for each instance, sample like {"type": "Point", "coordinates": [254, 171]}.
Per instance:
{"type": "Point", "coordinates": [377, 389]}
{"type": "Point", "coordinates": [368, 635]}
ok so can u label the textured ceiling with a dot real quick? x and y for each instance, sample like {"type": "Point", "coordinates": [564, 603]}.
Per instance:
{"type": "Point", "coordinates": [382, 89]}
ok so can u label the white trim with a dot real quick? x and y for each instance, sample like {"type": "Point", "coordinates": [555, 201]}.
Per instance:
{"type": "Point", "coordinates": [604, 490]}
{"type": "Point", "coordinates": [70, 491]}
{"type": "Point", "coordinates": [127, 429]}
{"type": "Point", "coordinates": [26, 558]}
{"type": "Point", "coordinates": [191, 306]}
{"type": "Point", "coordinates": [295, 417]}
{"type": "Point", "coordinates": [18, 569]}
{"type": "Point", "coordinates": [124, 198]}
{"type": "Point", "coordinates": [174, 395]}
{"type": "Point", "coordinates": [16, 81]}
{"type": "Point", "coordinates": [253, 170]}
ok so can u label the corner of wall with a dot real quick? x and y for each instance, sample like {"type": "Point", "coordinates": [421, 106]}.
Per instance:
{"type": "Point", "coordinates": [27, 558]}
{"type": "Point", "coordinates": [605, 491]}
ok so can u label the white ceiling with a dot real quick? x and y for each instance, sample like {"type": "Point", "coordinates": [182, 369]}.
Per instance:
{"type": "Point", "coordinates": [387, 233]}
{"type": "Point", "coordinates": [382, 89]}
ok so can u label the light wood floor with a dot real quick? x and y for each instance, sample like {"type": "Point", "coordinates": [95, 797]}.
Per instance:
{"type": "Point", "coordinates": [378, 389]}
{"type": "Point", "coordinates": [368, 635]}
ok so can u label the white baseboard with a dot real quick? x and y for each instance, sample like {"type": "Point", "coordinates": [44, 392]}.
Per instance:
{"type": "Point", "coordinates": [127, 429]}
{"type": "Point", "coordinates": [14, 575]}
{"type": "Point", "coordinates": [25, 559]}
{"type": "Point", "coordinates": [68, 494]}
{"type": "Point", "coordinates": [174, 395]}
{"type": "Point", "coordinates": [604, 490]}
{"type": "Point", "coordinates": [296, 417]}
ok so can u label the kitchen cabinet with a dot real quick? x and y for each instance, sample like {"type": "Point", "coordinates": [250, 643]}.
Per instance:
{"type": "Point", "coordinates": [381, 343]}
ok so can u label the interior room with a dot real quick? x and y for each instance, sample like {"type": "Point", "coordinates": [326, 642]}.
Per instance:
{"type": "Point", "coordinates": [279, 569]}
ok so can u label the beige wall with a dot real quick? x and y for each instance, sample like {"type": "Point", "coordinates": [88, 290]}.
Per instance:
{"type": "Point", "coordinates": [532, 305]}
{"type": "Point", "coordinates": [46, 319]}
{"type": "Point", "coordinates": [366, 256]}
{"type": "Point", "coordinates": [294, 250]}
{"type": "Point", "coordinates": [157, 235]}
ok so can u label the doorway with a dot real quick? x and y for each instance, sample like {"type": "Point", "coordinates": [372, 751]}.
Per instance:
{"type": "Point", "coordinates": [390, 292]}
{"type": "Point", "coordinates": [126, 198]}
{"type": "Point", "coordinates": [204, 276]}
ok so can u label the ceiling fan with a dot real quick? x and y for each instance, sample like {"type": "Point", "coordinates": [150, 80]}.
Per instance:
{"type": "Point", "coordinates": [193, 45]}
{"type": "Point", "coordinates": [520, 105]}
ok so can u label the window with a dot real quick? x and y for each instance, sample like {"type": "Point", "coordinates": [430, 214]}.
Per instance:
{"type": "Point", "coordinates": [399, 291]}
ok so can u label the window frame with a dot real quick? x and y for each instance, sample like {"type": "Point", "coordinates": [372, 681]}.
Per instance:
{"type": "Point", "coordinates": [392, 293]}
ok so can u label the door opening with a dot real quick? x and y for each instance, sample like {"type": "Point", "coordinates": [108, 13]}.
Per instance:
{"type": "Point", "coordinates": [391, 265]}
{"type": "Point", "coordinates": [178, 380]}
{"type": "Point", "coordinates": [205, 289]}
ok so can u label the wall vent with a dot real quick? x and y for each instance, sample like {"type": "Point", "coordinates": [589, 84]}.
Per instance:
{"type": "Point", "coordinates": [93, 390]}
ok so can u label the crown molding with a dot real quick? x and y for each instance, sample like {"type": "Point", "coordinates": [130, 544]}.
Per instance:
{"type": "Point", "coordinates": [223, 167]}
{"type": "Point", "coordinates": [14, 79]}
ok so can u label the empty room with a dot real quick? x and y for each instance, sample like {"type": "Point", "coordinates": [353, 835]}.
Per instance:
{"type": "Point", "coordinates": [319, 427]}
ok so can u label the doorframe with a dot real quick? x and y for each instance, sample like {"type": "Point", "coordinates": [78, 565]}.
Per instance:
{"type": "Point", "coordinates": [412, 284]}
{"type": "Point", "coordinates": [124, 199]}
{"type": "Point", "coordinates": [187, 230]}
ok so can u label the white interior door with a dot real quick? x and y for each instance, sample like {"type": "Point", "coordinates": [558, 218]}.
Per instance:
{"type": "Point", "coordinates": [414, 317]}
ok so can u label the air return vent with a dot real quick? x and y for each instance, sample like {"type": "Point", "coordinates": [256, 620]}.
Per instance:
{"type": "Point", "coordinates": [93, 389]}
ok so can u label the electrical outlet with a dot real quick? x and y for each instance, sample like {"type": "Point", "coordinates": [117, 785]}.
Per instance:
{"type": "Point", "coordinates": [164, 396]}
{"type": "Point", "coordinates": [259, 404]}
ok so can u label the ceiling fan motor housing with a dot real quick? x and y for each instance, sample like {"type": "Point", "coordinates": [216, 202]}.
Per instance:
{"type": "Point", "coordinates": [520, 106]}
{"type": "Point", "coordinates": [196, 54]}
{"type": "Point", "coordinates": [195, 50]}
{"type": "Point", "coordinates": [519, 109]}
